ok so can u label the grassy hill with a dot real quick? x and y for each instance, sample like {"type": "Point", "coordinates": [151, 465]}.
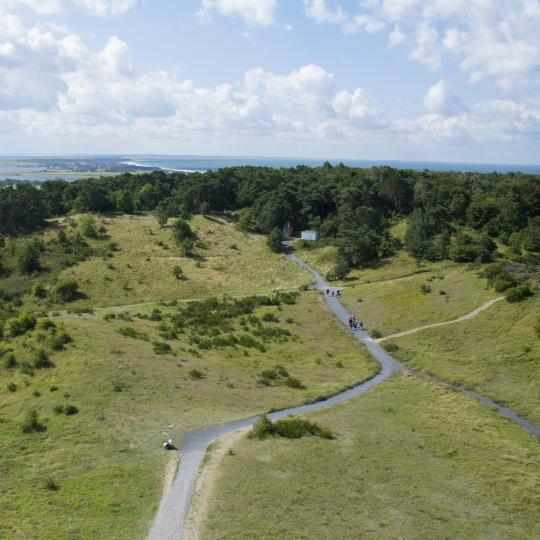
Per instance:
{"type": "Point", "coordinates": [411, 460]}
{"type": "Point", "coordinates": [128, 377]}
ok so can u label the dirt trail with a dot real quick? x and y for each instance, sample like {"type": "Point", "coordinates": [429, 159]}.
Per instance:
{"type": "Point", "coordinates": [470, 315]}
{"type": "Point", "coordinates": [206, 482]}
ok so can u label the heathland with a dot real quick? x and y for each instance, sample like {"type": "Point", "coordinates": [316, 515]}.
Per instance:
{"type": "Point", "coordinates": [137, 307]}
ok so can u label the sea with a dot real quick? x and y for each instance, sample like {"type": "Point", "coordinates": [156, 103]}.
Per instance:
{"type": "Point", "coordinates": [71, 167]}
{"type": "Point", "coordinates": [207, 163]}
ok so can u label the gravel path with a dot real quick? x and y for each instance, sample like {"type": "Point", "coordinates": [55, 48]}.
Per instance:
{"type": "Point", "coordinates": [174, 507]}
{"type": "Point", "coordinates": [470, 315]}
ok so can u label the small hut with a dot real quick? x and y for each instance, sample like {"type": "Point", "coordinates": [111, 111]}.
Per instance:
{"type": "Point", "coordinates": [311, 236]}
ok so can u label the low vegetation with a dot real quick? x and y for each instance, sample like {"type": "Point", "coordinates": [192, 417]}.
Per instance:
{"type": "Point", "coordinates": [412, 459]}
{"type": "Point", "coordinates": [288, 428]}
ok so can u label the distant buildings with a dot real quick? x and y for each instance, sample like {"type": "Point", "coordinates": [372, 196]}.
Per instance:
{"type": "Point", "coordinates": [310, 235]}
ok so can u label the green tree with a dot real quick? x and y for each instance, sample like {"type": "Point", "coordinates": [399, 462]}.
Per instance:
{"type": "Point", "coordinates": [28, 256]}
{"type": "Point", "coordinates": [162, 215]}
{"type": "Point", "coordinates": [88, 227]}
{"type": "Point", "coordinates": [246, 220]}
{"type": "Point", "coordinates": [341, 269]}
{"type": "Point", "coordinates": [204, 208]}
{"type": "Point", "coordinates": [181, 231]}
{"type": "Point", "coordinates": [66, 290]}
{"type": "Point", "coordinates": [275, 239]}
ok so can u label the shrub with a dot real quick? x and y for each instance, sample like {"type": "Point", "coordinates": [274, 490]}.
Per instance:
{"type": "Point", "coordinates": [11, 387]}
{"type": "Point", "coordinates": [53, 388]}
{"type": "Point", "coordinates": [269, 317]}
{"type": "Point", "coordinates": [70, 410]}
{"type": "Point", "coordinates": [275, 239]}
{"type": "Point", "coordinates": [9, 361]}
{"type": "Point", "coordinates": [425, 288]}
{"type": "Point", "coordinates": [36, 393]}
{"type": "Point", "coordinates": [109, 316]}
{"type": "Point", "coordinates": [51, 485]}
{"type": "Point", "coordinates": [66, 290]}
{"type": "Point", "coordinates": [289, 428]}
{"type": "Point", "coordinates": [39, 291]}
{"type": "Point", "coordinates": [518, 293]}
{"type": "Point", "coordinates": [41, 359]}
{"type": "Point", "coordinates": [161, 347]}
{"type": "Point", "coordinates": [195, 374]}
{"type": "Point", "coordinates": [18, 326]}
{"type": "Point", "coordinates": [45, 324]}
{"type": "Point", "coordinates": [340, 270]}
{"type": "Point", "coordinates": [88, 227]}
{"type": "Point", "coordinates": [177, 272]}
{"type": "Point", "coordinates": [58, 409]}
{"type": "Point", "coordinates": [375, 334]}
{"type": "Point", "coordinates": [28, 256]}
{"type": "Point", "coordinates": [57, 340]}
{"type": "Point", "coordinates": [293, 382]}
{"type": "Point", "coordinates": [31, 423]}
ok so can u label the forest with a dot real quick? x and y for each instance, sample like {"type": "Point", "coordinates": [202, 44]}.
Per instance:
{"type": "Point", "coordinates": [450, 215]}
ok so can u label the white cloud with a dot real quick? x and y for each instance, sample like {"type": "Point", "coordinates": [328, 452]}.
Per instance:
{"type": "Point", "coordinates": [320, 13]}
{"type": "Point", "coordinates": [490, 39]}
{"type": "Point", "coordinates": [100, 8]}
{"type": "Point", "coordinates": [441, 100]}
{"type": "Point", "coordinates": [255, 12]}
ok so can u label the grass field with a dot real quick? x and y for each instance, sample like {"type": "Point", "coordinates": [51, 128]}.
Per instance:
{"type": "Point", "coordinates": [497, 354]}
{"type": "Point", "coordinates": [107, 460]}
{"type": "Point", "coordinates": [393, 305]}
{"type": "Point", "coordinates": [411, 459]}
{"type": "Point", "coordinates": [228, 261]}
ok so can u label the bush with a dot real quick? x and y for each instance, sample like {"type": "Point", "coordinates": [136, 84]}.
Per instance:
{"type": "Point", "coordinates": [340, 270]}
{"type": "Point", "coordinates": [11, 387]}
{"type": "Point", "coordinates": [177, 272]}
{"type": "Point", "coordinates": [41, 359]}
{"type": "Point", "coordinates": [293, 382]}
{"type": "Point", "coordinates": [28, 256]}
{"type": "Point", "coordinates": [39, 291]}
{"type": "Point", "coordinates": [88, 227]}
{"type": "Point", "coordinates": [196, 375]}
{"type": "Point", "coordinates": [66, 290]}
{"type": "Point", "coordinates": [518, 293]}
{"type": "Point", "coordinates": [57, 340]}
{"type": "Point", "coordinates": [425, 288]}
{"type": "Point", "coordinates": [58, 409]}
{"type": "Point", "coordinates": [161, 347]}
{"type": "Point", "coordinates": [70, 410]}
{"type": "Point", "coordinates": [31, 423]}
{"type": "Point", "coordinates": [275, 239]}
{"type": "Point", "coordinates": [18, 326]}
{"type": "Point", "coordinates": [9, 361]}
{"type": "Point", "coordinates": [269, 317]}
{"type": "Point", "coordinates": [51, 485]}
{"type": "Point", "coordinates": [289, 428]}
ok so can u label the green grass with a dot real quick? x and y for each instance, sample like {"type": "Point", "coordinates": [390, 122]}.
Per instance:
{"type": "Point", "coordinates": [147, 254]}
{"type": "Point", "coordinates": [396, 304]}
{"type": "Point", "coordinates": [497, 354]}
{"type": "Point", "coordinates": [107, 460]}
{"type": "Point", "coordinates": [411, 460]}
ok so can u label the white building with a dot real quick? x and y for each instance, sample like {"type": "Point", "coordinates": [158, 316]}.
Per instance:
{"type": "Point", "coordinates": [310, 235]}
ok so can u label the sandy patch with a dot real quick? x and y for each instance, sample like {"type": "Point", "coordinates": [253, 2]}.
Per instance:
{"type": "Point", "coordinates": [205, 483]}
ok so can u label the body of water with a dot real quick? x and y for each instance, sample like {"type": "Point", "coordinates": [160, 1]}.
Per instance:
{"type": "Point", "coordinates": [206, 163]}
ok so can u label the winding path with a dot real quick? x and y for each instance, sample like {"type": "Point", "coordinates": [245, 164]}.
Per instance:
{"type": "Point", "coordinates": [470, 315]}
{"type": "Point", "coordinates": [174, 507]}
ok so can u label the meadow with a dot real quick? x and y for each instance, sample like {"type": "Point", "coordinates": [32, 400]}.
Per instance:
{"type": "Point", "coordinates": [411, 459]}
{"type": "Point", "coordinates": [98, 473]}
{"type": "Point", "coordinates": [496, 354]}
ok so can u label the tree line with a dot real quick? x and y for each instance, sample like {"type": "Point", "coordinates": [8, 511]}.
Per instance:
{"type": "Point", "coordinates": [450, 214]}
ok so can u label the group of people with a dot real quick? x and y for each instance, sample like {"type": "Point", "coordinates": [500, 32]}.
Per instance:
{"type": "Point", "coordinates": [333, 292]}
{"type": "Point", "coordinates": [354, 324]}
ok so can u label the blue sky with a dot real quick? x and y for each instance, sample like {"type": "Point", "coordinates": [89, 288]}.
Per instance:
{"type": "Point", "coordinates": [450, 80]}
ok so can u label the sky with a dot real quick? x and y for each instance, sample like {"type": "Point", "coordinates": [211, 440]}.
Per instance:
{"type": "Point", "coordinates": [442, 80]}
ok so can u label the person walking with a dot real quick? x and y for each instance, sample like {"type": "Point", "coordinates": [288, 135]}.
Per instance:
{"type": "Point", "coordinates": [351, 322]}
